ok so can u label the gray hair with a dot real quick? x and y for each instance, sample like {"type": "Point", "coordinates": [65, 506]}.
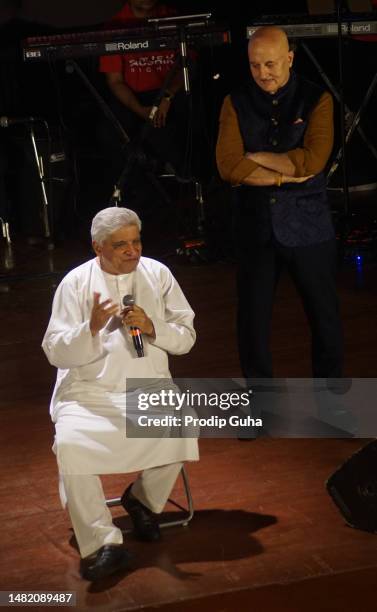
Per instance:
{"type": "Point", "coordinates": [109, 220]}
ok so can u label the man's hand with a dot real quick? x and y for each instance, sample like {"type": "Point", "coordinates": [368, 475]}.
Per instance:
{"type": "Point", "coordinates": [136, 317]}
{"type": "Point", "coordinates": [295, 179]}
{"type": "Point", "coordinates": [262, 177]}
{"type": "Point", "coordinates": [279, 162]}
{"type": "Point", "coordinates": [101, 313]}
{"type": "Point", "coordinates": [144, 112]}
{"type": "Point", "coordinates": [159, 119]}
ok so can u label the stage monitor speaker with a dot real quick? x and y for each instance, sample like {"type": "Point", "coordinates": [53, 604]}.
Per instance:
{"type": "Point", "coordinates": [353, 488]}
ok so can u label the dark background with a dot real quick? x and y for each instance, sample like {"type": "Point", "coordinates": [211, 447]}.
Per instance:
{"type": "Point", "coordinates": [32, 88]}
{"type": "Point", "coordinates": [48, 91]}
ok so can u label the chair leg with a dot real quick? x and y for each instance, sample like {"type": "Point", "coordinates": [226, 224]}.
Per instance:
{"type": "Point", "coordinates": [190, 505]}
{"type": "Point", "coordinates": [116, 501]}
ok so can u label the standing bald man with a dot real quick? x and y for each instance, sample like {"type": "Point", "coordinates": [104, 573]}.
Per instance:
{"type": "Point", "coordinates": [275, 138]}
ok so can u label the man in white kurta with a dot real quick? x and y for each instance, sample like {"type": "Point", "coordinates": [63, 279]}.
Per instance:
{"type": "Point", "coordinates": [88, 339]}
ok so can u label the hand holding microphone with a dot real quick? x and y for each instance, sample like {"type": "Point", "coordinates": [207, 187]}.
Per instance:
{"type": "Point", "coordinates": [139, 323]}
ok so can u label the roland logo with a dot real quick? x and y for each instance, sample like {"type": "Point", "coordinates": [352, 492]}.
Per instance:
{"type": "Point", "coordinates": [361, 29]}
{"type": "Point", "coordinates": [133, 46]}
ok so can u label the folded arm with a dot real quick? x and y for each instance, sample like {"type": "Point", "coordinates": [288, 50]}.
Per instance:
{"type": "Point", "coordinates": [233, 163]}
{"type": "Point", "coordinates": [312, 157]}
{"type": "Point", "coordinates": [263, 168]}
{"type": "Point", "coordinates": [276, 162]}
{"type": "Point", "coordinates": [233, 166]}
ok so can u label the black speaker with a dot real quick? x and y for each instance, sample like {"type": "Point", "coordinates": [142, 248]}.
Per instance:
{"type": "Point", "coordinates": [353, 488]}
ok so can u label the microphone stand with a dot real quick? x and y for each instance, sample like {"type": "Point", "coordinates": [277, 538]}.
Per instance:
{"type": "Point", "coordinates": [137, 154]}
{"type": "Point", "coordinates": [184, 59]}
{"type": "Point", "coordinates": [72, 66]}
{"type": "Point", "coordinates": [192, 247]}
{"type": "Point", "coordinates": [41, 174]}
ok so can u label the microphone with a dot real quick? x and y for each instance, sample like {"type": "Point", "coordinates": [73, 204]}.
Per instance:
{"type": "Point", "coordinates": [7, 121]}
{"type": "Point", "coordinates": [129, 302]}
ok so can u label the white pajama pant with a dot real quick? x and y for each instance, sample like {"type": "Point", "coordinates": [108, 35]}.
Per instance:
{"type": "Point", "coordinates": [91, 518]}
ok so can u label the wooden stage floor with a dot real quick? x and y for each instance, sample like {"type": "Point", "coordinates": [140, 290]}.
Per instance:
{"type": "Point", "coordinates": [265, 535]}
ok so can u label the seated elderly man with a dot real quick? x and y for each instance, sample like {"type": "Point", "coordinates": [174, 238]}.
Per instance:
{"type": "Point", "coordinates": [88, 339]}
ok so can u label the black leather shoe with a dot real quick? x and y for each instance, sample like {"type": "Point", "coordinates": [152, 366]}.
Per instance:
{"type": "Point", "coordinates": [144, 520]}
{"type": "Point", "coordinates": [108, 560]}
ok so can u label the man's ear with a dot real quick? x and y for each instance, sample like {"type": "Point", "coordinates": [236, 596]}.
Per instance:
{"type": "Point", "coordinates": [291, 55]}
{"type": "Point", "coordinates": [96, 248]}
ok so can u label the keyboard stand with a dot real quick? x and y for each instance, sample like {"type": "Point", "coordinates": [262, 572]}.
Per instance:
{"type": "Point", "coordinates": [137, 156]}
{"type": "Point", "coordinates": [352, 119]}
{"type": "Point", "coordinates": [355, 124]}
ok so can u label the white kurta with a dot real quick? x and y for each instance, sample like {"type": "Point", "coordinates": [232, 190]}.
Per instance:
{"type": "Point", "coordinates": [88, 405]}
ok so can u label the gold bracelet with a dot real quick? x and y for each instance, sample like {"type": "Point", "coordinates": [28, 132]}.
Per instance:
{"type": "Point", "coordinates": [279, 179]}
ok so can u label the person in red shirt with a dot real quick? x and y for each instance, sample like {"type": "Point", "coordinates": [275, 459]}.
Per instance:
{"type": "Point", "coordinates": [136, 78]}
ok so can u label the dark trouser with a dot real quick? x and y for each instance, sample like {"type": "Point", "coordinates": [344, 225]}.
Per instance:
{"type": "Point", "coordinates": [313, 270]}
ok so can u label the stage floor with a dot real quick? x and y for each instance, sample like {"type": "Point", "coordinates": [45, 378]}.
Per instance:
{"type": "Point", "coordinates": [265, 534]}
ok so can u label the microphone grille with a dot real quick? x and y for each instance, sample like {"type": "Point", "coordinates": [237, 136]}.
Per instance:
{"type": "Point", "coordinates": [128, 300]}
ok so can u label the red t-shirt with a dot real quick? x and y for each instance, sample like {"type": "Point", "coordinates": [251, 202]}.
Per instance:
{"type": "Point", "coordinates": [142, 70]}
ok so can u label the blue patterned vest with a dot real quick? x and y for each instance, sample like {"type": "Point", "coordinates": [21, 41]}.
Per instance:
{"type": "Point", "coordinates": [295, 214]}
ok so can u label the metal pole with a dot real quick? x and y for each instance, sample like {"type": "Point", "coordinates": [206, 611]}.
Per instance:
{"type": "Point", "coordinates": [342, 111]}
{"type": "Point", "coordinates": [350, 117]}
{"type": "Point", "coordinates": [39, 163]}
